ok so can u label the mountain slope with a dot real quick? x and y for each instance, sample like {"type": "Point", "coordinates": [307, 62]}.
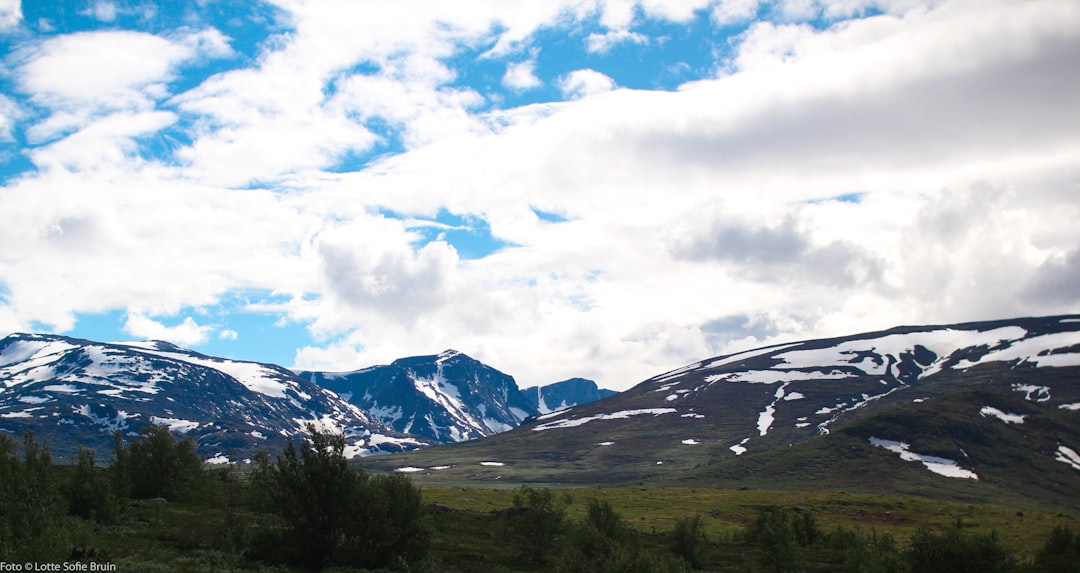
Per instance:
{"type": "Point", "coordinates": [977, 408]}
{"type": "Point", "coordinates": [564, 394]}
{"type": "Point", "coordinates": [77, 392]}
{"type": "Point", "coordinates": [448, 397]}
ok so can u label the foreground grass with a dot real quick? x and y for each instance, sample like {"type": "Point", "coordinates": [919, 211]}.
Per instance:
{"type": "Point", "coordinates": [470, 528]}
{"type": "Point", "coordinates": [653, 511]}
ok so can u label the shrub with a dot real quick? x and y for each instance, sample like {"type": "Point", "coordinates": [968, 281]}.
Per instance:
{"type": "Point", "coordinates": [954, 552]}
{"type": "Point", "coordinates": [775, 538]}
{"type": "Point", "coordinates": [32, 524]}
{"type": "Point", "coordinates": [335, 515]}
{"type": "Point", "coordinates": [537, 520]}
{"type": "Point", "coordinates": [156, 465]}
{"type": "Point", "coordinates": [1060, 553]}
{"type": "Point", "coordinates": [688, 541]}
{"type": "Point", "coordinates": [89, 493]}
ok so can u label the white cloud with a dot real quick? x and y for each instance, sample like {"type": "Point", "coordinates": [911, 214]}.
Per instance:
{"type": "Point", "coordinates": [187, 333]}
{"type": "Point", "coordinates": [602, 43]}
{"type": "Point", "coordinates": [521, 76]}
{"type": "Point", "coordinates": [582, 83]}
{"type": "Point", "coordinates": [103, 10]}
{"type": "Point", "coordinates": [681, 209]}
{"type": "Point", "coordinates": [10, 14]}
{"type": "Point", "coordinates": [728, 12]}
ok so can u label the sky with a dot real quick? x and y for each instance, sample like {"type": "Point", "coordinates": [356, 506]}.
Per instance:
{"type": "Point", "coordinates": [557, 188]}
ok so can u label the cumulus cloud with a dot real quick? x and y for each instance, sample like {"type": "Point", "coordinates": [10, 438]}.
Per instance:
{"type": "Point", "coordinates": [582, 83]}
{"type": "Point", "coordinates": [602, 43]}
{"type": "Point", "coordinates": [521, 76]}
{"type": "Point", "coordinates": [913, 166]}
{"type": "Point", "coordinates": [10, 14]}
{"type": "Point", "coordinates": [187, 333]}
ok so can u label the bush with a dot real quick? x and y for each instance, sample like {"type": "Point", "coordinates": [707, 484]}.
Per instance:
{"type": "Point", "coordinates": [32, 524]}
{"type": "Point", "coordinates": [335, 515]}
{"type": "Point", "coordinates": [954, 552]}
{"type": "Point", "coordinates": [774, 536]}
{"type": "Point", "coordinates": [537, 520]}
{"type": "Point", "coordinates": [1060, 553]}
{"type": "Point", "coordinates": [688, 541]}
{"type": "Point", "coordinates": [89, 493]}
{"type": "Point", "coordinates": [602, 544]}
{"type": "Point", "coordinates": [156, 465]}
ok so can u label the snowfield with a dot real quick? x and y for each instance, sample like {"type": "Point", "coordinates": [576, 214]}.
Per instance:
{"type": "Point", "coordinates": [941, 466]}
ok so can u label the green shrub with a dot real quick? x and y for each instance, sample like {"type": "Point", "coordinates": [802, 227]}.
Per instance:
{"type": "Point", "coordinates": [32, 523]}
{"type": "Point", "coordinates": [156, 465]}
{"type": "Point", "coordinates": [333, 515]}
{"type": "Point", "coordinates": [955, 552]}
{"type": "Point", "coordinates": [89, 493]}
{"type": "Point", "coordinates": [688, 541]}
{"type": "Point", "coordinates": [774, 537]}
{"type": "Point", "coordinates": [1060, 553]}
{"type": "Point", "coordinates": [536, 521]}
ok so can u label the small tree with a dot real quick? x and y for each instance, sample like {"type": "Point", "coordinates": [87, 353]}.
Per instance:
{"type": "Point", "coordinates": [774, 536]}
{"type": "Point", "coordinates": [157, 465]}
{"type": "Point", "coordinates": [688, 541]}
{"type": "Point", "coordinates": [955, 552]}
{"type": "Point", "coordinates": [537, 520]}
{"type": "Point", "coordinates": [32, 525]}
{"type": "Point", "coordinates": [1060, 553]}
{"type": "Point", "coordinates": [89, 493]}
{"type": "Point", "coordinates": [335, 515]}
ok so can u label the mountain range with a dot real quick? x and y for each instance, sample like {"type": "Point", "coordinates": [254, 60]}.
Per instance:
{"type": "Point", "coordinates": [985, 410]}
{"type": "Point", "coordinates": [75, 392]}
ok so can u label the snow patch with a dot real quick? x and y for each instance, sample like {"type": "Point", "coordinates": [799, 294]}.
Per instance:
{"type": "Point", "coordinates": [941, 466]}
{"type": "Point", "coordinates": [218, 459]}
{"type": "Point", "coordinates": [1074, 406]}
{"type": "Point", "coordinates": [492, 464]}
{"type": "Point", "coordinates": [408, 470]}
{"type": "Point", "coordinates": [794, 396]}
{"type": "Point", "coordinates": [1007, 418]}
{"type": "Point", "coordinates": [63, 388]}
{"type": "Point", "coordinates": [1068, 455]}
{"type": "Point", "coordinates": [1042, 393]}
{"type": "Point", "coordinates": [175, 424]}
{"type": "Point", "coordinates": [690, 442]}
{"type": "Point", "coordinates": [606, 444]}
{"type": "Point", "coordinates": [738, 448]}
{"type": "Point", "coordinates": [574, 422]}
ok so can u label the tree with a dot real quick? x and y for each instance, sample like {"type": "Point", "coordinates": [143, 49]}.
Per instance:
{"type": "Point", "coordinates": [1060, 553]}
{"type": "Point", "coordinates": [333, 514]}
{"type": "Point", "coordinates": [955, 552]}
{"type": "Point", "coordinates": [89, 493]}
{"type": "Point", "coordinates": [32, 525]}
{"type": "Point", "coordinates": [537, 520]}
{"type": "Point", "coordinates": [688, 541]}
{"type": "Point", "coordinates": [157, 465]}
{"type": "Point", "coordinates": [602, 544]}
{"type": "Point", "coordinates": [774, 536]}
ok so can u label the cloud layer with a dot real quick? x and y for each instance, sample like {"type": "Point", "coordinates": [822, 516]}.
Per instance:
{"type": "Point", "coordinates": [839, 166]}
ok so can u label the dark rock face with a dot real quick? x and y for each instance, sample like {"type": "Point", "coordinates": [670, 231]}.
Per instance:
{"type": "Point", "coordinates": [448, 397]}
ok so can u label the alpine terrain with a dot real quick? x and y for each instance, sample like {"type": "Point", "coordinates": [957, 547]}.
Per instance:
{"type": "Point", "coordinates": [75, 392]}
{"type": "Point", "coordinates": [448, 397]}
{"type": "Point", "coordinates": [562, 395]}
{"type": "Point", "coordinates": [976, 411]}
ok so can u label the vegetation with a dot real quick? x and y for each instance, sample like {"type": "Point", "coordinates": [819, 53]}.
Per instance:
{"type": "Point", "coordinates": [306, 509]}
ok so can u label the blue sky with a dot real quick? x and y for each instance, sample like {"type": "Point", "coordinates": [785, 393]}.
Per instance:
{"type": "Point", "coordinates": [573, 188]}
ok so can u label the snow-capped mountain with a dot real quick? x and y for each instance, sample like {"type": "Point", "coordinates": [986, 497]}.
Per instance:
{"type": "Point", "coordinates": [78, 392]}
{"type": "Point", "coordinates": [985, 407]}
{"type": "Point", "coordinates": [564, 394]}
{"type": "Point", "coordinates": [448, 397]}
